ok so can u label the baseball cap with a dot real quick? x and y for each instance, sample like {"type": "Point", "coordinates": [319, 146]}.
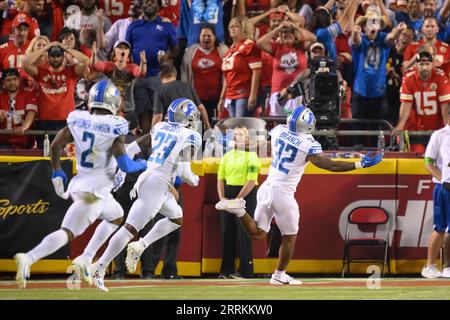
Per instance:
{"type": "Point", "coordinates": [10, 72]}
{"type": "Point", "coordinates": [55, 51]}
{"type": "Point", "coordinates": [316, 45]}
{"type": "Point", "coordinates": [119, 42]}
{"type": "Point", "coordinates": [424, 56]}
{"type": "Point", "coordinates": [20, 19]}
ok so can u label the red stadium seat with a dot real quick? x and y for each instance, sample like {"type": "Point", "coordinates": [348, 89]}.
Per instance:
{"type": "Point", "coordinates": [366, 219]}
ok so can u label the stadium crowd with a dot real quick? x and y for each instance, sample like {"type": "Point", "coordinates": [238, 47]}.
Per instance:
{"type": "Point", "coordinates": [237, 56]}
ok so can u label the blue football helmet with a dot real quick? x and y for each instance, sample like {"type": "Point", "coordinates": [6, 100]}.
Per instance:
{"type": "Point", "coordinates": [104, 95]}
{"type": "Point", "coordinates": [184, 112]}
{"type": "Point", "coordinates": [301, 120]}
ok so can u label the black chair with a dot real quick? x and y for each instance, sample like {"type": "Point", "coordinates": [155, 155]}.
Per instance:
{"type": "Point", "coordinates": [367, 217]}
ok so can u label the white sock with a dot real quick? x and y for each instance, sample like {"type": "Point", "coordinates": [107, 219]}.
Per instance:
{"type": "Point", "coordinates": [115, 246]}
{"type": "Point", "coordinates": [280, 273]}
{"type": "Point", "coordinates": [48, 245]}
{"type": "Point", "coordinates": [103, 231]}
{"type": "Point", "coordinates": [162, 228]}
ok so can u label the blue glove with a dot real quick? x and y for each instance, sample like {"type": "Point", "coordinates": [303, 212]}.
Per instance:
{"type": "Point", "coordinates": [59, 179]}
{"type": "Point", "coordinates": [127, 165]}
{"type": "Point", "coordinates": [60, 173]}
{"type": "Point", "coordinates": [177, 182]}
{"type": "Point", "coordinates": [368, 160]}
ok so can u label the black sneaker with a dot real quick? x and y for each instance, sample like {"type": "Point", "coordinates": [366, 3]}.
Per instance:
{"type": "Point", "coordinates": [148, 276]}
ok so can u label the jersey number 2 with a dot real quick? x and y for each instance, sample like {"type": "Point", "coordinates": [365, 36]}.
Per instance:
{"type": "Point", "coordinates": [87, 136]}
{"type": "Point", "coordinates": [278, 162]}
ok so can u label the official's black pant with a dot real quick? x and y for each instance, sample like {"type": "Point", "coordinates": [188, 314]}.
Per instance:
{"type": "Point", "coordinates": [234, 235]}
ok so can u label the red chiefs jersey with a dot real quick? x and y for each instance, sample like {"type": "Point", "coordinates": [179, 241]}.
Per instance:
{"type": "Point", "coordinates": [34, 26]}
{"type": "Point", "coordinates": [12, 56]}
{"type": "Point", "coordinates": [207, 74]}
{"type": "Point", "coordinates": [24, 101]}
{"type": "Point", "coordinates": [426, 97]}
{"type": "Point", "coordinates": [170, 9]}
{"type": "Point", "coordinates": [237, 66]}
{"type": "Point", "coordinates": [442, 51]}
{"type": "Point", "coordinates": [115, 9]}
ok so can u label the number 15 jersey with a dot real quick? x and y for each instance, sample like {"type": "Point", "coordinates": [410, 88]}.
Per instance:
{"type": "Point", "coordinates": [289, 152]}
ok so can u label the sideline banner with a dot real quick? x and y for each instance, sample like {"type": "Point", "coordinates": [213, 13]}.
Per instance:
{"type": "Point", "coordinates": [29, 206]}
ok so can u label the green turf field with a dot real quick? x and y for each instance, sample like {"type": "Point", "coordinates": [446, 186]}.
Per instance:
{"type": "Point", "coordinates": [213, 289]}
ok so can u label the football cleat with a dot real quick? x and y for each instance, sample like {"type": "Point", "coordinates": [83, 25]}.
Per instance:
{"type": "Point", "coordinates": [134, 251]}
{"type": "Point", "coordinates": [235, 206]}
{"type": "Point", "coordinates": [446, 273]}
{"type": "Point", "coordinates": [83, 268]}
{"type": "Point", "coordinates": [284, 280]}
{"type": "Point", "coordinates": [431, 272]}
{"type": "Point", "coordinates": [98, 276]}
{"type": "Point", "coordinates": [23, 270]}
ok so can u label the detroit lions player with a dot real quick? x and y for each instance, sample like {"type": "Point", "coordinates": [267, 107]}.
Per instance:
{"type": "Point", "coordinates": [292, 147]}
{"type": "Point", "coordinates": [173, 144]}
{"type": "Point", "coordinates": [99, 137]}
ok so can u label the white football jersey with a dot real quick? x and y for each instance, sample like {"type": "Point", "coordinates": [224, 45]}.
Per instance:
{"type": "Point", "coordinates": [289, 152]}
{"type": "Point", "coordinates": [168, 140]}
{"type": "Point", "coordinates": [445, 155]}
{"type": "Point", "coordinates": [434, 145]}
{"type": "Point", "coordinates": [94, 136]}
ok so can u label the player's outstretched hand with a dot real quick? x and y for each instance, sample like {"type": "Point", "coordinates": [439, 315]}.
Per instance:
{"type": "Point", "coordinates": [59, 179]}
{"type": "Point", "coordinates": [119, 179]}
{"type": "Point", "coordinates": [368, 160]}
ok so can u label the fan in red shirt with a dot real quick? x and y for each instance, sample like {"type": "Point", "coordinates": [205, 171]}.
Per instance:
{"type": "Point", "coordinates": [289, 58]}
{"type": "Point", "coordinates": [24, 17]}
{"type": "Point", "coordinates": [56, 82]}
{"type": "Point", "coordinates": [12, 53]}
{"type": "Point", "coordinates": [430, 30]}
{"type": "Point", "coordinates": [428, 90]}
{"type": "Point", "coordinates": [18, 109]}
{"type": "Point", "coordinates": [242, 69]}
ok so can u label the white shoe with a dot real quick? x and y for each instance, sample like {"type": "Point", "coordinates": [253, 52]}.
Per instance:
{"type": "Point", "coordinates": [446, 273]}
{"type": "Point", "coordinates": [284, 280]}
{"type": "Point", "coordinates": [98, 276]}
{"type": "Point", "coordinates": [83, 268]}
{"type": "Point", "coordinates": [23, 270]}
{"type": "Point", "coordinates": [134, 251]}
{"type": "Point", "coordinates": [431, 272]}
{"type": "Point", "coordinates": [235, 206]}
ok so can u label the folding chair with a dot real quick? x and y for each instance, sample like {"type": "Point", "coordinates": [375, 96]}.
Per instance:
{"type": "Point", "coordinates": [366, 217]}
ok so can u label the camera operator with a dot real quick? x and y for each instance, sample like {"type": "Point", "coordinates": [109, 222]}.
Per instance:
{"type": "Point", "coordinates": [301, 87]}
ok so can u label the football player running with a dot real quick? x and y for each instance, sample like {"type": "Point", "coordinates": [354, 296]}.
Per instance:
{"type": "Point", "coordinates": [292, 147]}
{"type": "Point", "coordinates": [99, 137]}
{"type": "Point", "coordinates": [173, 145]}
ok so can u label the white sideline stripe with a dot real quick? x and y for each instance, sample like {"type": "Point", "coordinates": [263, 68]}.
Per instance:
{"type": "Point", "coordinates": [381, 186]}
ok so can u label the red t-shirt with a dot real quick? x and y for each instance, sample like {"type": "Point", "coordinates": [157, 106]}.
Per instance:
{"type": "Point", "coordinates": [25, 101]}
{"type": "Point", "coordinates": [207, 72]}
{"type": "Point", "coordinates": [288, 62]}
{"type": "Point", "coordinates": [442, 51]}
{"type": "Point", "coordinates": [56, 98]}
{"type": "Point", "coordinates": [34, 26]}
{"type": "Point", "coordinates": [426, 98]}
{"type": "Point", "coordinates": [12, 56]}
{"type": "Point", "coordinates": [237, 65]}
{"type": "Point", "coordinates": [108, 66]}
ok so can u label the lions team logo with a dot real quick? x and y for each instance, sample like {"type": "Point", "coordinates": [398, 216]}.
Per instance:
{"type": "Point", "coordinates": [433, 86]}
{"type": "Point", "coordinates": [289, 62]}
